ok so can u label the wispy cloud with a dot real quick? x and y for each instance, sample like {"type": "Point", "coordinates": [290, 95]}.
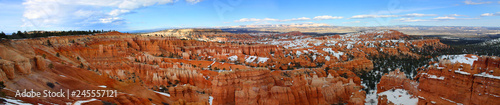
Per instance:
{"type": "Point", "coordinates": [386, 16]}
{"type": "Point", "coordinates": [324, 17]}
{"type": "Point", "coordinates": [412, 20]}
{"type": "Point", "coordinates": [443, 18]}
{"type": "Point", "coordinates": [491, 14]}
{"type": "Point", "coordinates": [470, 2]}
{"type": "Point", "coordinates": [456, 15]}
{"type": "Point", "coordinates": [351, 22]}
{"type": "Point", "coordinates": [297, 19]}
{"type": "Point", "coordinates": [193, 1]}
{"type": "Point", "coordinates": [255, 20]}
{"type": "Point", "coordinates": [82, 13]}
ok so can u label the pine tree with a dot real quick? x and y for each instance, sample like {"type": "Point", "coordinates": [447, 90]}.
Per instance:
{"type": "Point", "coordinates": [2, 35]}
{"type": "Point", "coordinates": [49, 44]}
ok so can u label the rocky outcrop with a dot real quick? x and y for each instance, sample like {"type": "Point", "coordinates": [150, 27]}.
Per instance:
{"type": "Point", "coordinates": [472, 80]}
{"type": "Point", "coordinates": [7, 68]}
{"type": "Point", "coordinates": [259, 87]}
{"type": "Point", "coordinates": [396, 80]}
{"type": "Point", "coordinates": [40, 63]}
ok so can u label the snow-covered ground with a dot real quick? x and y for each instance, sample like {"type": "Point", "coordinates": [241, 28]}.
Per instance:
{"type": "Point", "coordinates": [250, 59]}
{"type": "Point", "coordinates": [371, 98]}
{"type": "Point", "coordinates": [400, 97]}
{"type": "Point", "coordinates": [262, 59]}
{"type": "Point", "coordinates": [459, 58]}
{"type": "Point", "coordinates": [335, 54]}
{"type": "Point", "coordinates": [14, 101]}
{"type": "Point", "coordinates": [233, 58]}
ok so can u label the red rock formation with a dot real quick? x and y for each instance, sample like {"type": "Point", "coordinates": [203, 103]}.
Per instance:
{"type": "Point", "coordinates": [396, 80]}
{"type": "Point", "coordinates": [259, 87]}
{"type": "Point", "coordinates": [191, 70]}
{"type": "Point", "coordinates": [451, 83]}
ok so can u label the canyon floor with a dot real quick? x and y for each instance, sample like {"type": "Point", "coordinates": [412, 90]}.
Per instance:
{"type": "Point", "coordinates": [211, 66]}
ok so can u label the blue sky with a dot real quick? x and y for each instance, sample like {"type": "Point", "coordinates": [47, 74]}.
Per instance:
{"type": "Point", "coordinates": [126, 15]}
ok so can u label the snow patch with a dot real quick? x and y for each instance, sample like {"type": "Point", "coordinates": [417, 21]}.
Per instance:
{"type": "Point", "coordinates": [165, 94]}
{"type": "Point", "coordinates": [333, 53]}
{"type": "Point", "coordinates": [14, 101]}
{"type": "Point", "coordinates": [400, 97]}
{"type": "Point", "coordinates": [262, 59]}
{"type": "Point", "coordinates": [84, 101]}
{"type": "Point", "coordinates": [484, 74]}
{"type": "Point", "coordinates": [250, 58]}
{"type": "Point", "coordinates": [459, 58]}
{"type": "Point", "coordinates": [233, 58]}
{"type": "Point", "coordinates": [462, 72]}
{"type": "Point", "coordinates": [435, 77]}
{"type": "Point", "coordinates": [371, 98]}
{"type": "Point", "coordinates": [210, 99]}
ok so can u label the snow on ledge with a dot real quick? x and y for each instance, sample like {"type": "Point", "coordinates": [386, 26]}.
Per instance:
{"type": "Point", "coordinates": [84, 101]}
{"type": "Point", "coordinates": [484, 74]}
{"type": "Point", "coordinates": [462, 72]}
{"type": "Point", "coordinates": [433, 76]}
{"type": "Point", "coordinates": [165, 94]}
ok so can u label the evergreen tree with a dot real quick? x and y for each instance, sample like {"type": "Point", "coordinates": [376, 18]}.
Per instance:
{"type": "Point", "coordinates": [2, 35]}
{"type": "Point", "coordinates": [20, 34]}
{"type": "Point", "coordinates": [50, 44]}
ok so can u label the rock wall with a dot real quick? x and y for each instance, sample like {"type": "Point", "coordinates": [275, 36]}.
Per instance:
{"type": "Point", "coordinates": [448, 82]}
{"type": "Point", "coordinates": [260, 87]}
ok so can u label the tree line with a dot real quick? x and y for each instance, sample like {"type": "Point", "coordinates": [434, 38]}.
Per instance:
{"type": "Point", "coordinates": [37, 34]}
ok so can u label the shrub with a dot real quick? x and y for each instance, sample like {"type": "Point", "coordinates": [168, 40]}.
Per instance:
{"type": "Point", "coordinates": [51, 85]}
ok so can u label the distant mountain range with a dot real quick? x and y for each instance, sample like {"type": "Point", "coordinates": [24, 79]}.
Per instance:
{"type": "Point", "coordinates": [467, 31]}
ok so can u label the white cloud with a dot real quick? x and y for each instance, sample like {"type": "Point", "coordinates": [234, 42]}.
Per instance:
{"type": "Point", "coordinates": [297, 19]}
{"type": "Point", "coordinates": [470, 2]}
{"type": "Point", "coordinates": [193, 1]}
{"type": "Point", "coordinates": [445, 18]}
{"type": "Point", "coordinates": [387, 16]}
{"type": "Point", "coordinates": [326, 17]}
{"type": "Point", "coordinates": [255, 20]}
{"type": "Point", "coordinates": [412, 20]}
{"type": "Point", "coordinates": [371, 16]}
{"type": "Point", "coordinates": [117, 12]}
{"type": "Point", "coordinates": [491, 14]}
{"type": "Point", "coordinates": [109, 20]}
{"type": "Point", "coordinates": [455, 15]}
{"type": "Point", "coordinates": [417, 15]}
{"type": "Point", "coordinates": [80, 13]}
